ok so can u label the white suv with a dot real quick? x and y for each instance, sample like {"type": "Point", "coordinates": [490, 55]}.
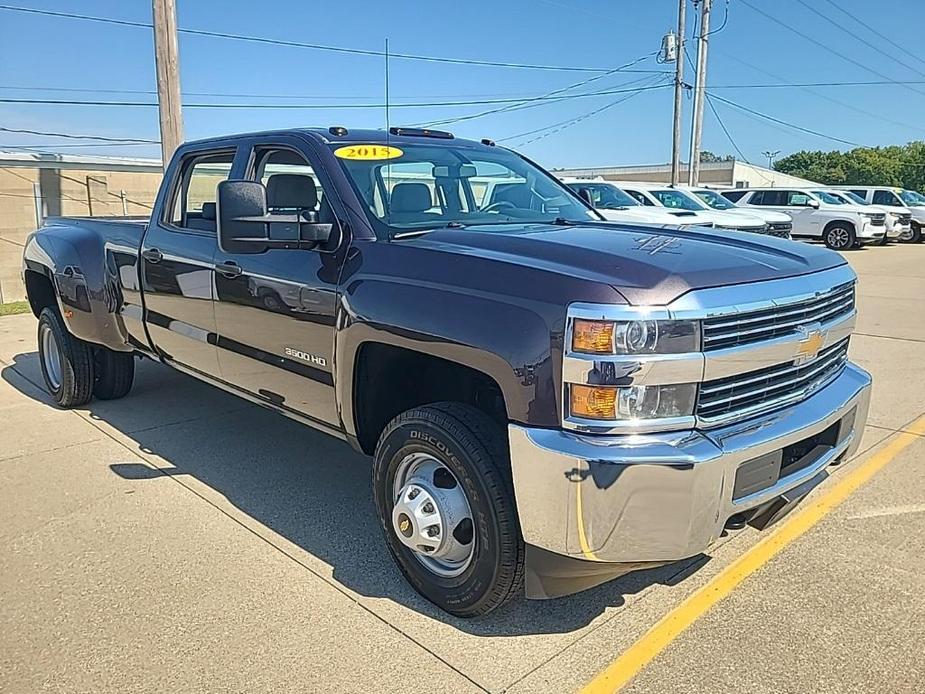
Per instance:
{"type": "Point", "coordinates": [615, 205]}
{"type": "Point", "coordinates": [679, 201]}
{"type": "Point", "coordinates": [900, 201]}
{"type": "Point", "coordinates": [897, 224]}
{"type": "Point", "coordinates": [838, 225]}
{"type": "Point", "coordinates": [779, 224]}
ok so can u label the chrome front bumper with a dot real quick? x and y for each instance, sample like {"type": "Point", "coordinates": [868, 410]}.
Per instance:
{"type": "Point", "coordinates": [665, 497]}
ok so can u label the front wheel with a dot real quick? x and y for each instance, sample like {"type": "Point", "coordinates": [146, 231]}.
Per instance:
{"type": "Point", "coordinates": [914, 235]}
{"type": "Point", "coordinates": [443, 494]}
{"type": "Point", "coordinates": [839, 237]}
{"type": "Point", "coordinates": [67, 363]}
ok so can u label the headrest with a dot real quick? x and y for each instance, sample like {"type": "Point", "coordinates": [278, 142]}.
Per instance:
{"type": "Point", "coordinates": [411, 197]}
{"type": "Point", "coordinates": [208, 210]}
{"type": "Point", "coordinates": [292, 190]}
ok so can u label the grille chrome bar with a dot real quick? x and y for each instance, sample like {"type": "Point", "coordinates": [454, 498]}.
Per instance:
{"type": "Point", "coordinates": [758, 391]}
{"type": "Point", "coordinates": [748, 327]}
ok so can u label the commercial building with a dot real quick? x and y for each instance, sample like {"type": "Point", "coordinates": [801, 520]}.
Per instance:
{"type": "Point", "coordinates": [37, 185]}
{"type": "Point", "coordinates": [732, 174]}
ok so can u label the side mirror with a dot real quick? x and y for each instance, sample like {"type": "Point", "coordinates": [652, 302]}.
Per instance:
{"type": "Point", "coordinates": [244, 226]}
{"type": "Point", "coordinates": [812, 203]}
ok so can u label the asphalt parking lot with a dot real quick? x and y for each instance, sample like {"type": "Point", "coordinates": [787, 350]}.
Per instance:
{"type": "Point", "coordinates": [183, 540]}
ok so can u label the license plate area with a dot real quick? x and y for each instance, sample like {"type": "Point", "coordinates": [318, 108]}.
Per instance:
{"type": "Point", "coordinates": [765, 471]}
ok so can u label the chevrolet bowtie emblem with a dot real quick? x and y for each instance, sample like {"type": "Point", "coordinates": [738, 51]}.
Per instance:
{"type": "Point", "coordinates": [812, 339]}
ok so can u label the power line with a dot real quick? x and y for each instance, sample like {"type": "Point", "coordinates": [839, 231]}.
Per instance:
{"type": "Point", "coordinates": [785, 123]}
{"type": "Point", "coordinates": [732, 141]}
{"type": "Point", "coordinates": [858, 37]}
{"type": "Point", "coordinates": [859, 83]}
{"type": "Point", "coordinates": [320, 107]}
{"type": "Point", "coordinates": [888, 40]}
{"type": "Point", "coordinates": [552, 95]}
{"type": "Point", "coordinates": [816, 42]}
{"type": "Point", "coordinates": [300, 44]}
{"type": "Point", "coordinates": [574, 121]}
{"type": "Point", "coordinates": [71, 136]}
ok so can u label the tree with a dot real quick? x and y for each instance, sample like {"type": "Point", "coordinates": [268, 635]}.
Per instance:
{"type": "Point", "coordinates": [708, 157]}
{"type": "Point", "coordinates": [894, 165]}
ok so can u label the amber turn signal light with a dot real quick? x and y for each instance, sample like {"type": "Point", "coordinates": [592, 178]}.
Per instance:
{"type": "Point", "coordinates": [592, 336]}
{"type": "Point", "coordinates": [593, 402]}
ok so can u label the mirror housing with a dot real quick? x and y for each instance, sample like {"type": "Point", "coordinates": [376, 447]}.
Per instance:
{"type": "Point", "coordinates": [245, 226]}
{"type": "Point", "coordinates": [812, 203]}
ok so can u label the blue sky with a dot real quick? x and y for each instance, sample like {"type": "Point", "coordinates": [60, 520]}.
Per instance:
{"type": "Point", "coordinates": [46, 52]}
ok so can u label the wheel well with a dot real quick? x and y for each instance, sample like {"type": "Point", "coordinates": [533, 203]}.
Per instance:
{"type": "Point", "coordinates": [390, 380]}
{"type": "Point", "coordinates": [40, 291]}
{"type": "Point", "coordinates": [838, 223]}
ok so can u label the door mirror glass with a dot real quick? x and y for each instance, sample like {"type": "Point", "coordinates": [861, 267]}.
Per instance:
{"type": "Point", "coordinates": [245, 226]}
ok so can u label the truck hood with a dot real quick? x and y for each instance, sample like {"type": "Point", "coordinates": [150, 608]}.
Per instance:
{"type": "Point", "coordinates": [737, 221]}
{"type": "Point", "coordinates": [647, 266]}
{"type": "Point", "coordinates": [652, 215]}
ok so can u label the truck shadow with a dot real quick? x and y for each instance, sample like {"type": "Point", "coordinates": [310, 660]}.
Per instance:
{"type": "Point", "coordinates": [308, 488]}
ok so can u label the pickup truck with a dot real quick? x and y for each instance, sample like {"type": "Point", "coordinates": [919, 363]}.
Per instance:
{"type": "Point", "coordinates": [550, 400]}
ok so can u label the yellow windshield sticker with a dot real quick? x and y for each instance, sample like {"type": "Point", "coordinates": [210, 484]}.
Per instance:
{"type": "Point", "coordinates": [368, 152]}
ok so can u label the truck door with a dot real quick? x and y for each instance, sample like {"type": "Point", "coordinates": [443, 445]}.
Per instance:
{"type": "Point", "coordinates": [177, 262]}
{"type": "Point", "coordinates": [276, 310]}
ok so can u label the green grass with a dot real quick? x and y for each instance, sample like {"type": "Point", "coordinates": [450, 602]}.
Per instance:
{"type": "Point", "coordinates": [14, 307]}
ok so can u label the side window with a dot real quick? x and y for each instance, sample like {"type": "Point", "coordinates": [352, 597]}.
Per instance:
{"type": "Point", "coordinates": [796, 199]}
{"type": "Point", "coordinates": [884, 197]}
{"type": "Point", "coordinates": [640, 198]}
{"type": "Point", "coordinates": [291, 183]}
{"type": "Point", "coordinates": [194, 199]}
{"type": "Point", "coordinates": [860, 192]}
{"type": "Point", "coordinates": [736, 195]}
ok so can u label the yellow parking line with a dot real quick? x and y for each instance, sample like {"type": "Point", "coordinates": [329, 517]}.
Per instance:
{"type": "Point", "coordinates": [631, 662]}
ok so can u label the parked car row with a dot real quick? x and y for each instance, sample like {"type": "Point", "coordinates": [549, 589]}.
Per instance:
{"type": "Point", "coordinates": [841, 217]}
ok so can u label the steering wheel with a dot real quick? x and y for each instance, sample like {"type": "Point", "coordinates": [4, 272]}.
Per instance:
{"type": "Point", "coordinates": [497, 206]}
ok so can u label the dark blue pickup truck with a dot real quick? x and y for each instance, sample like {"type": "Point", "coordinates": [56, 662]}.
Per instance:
{"type": "Point", "coordinates": [549, 399]}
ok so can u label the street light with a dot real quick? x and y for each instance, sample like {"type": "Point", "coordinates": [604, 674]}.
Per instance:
{"type": "Point", "coordinates": [770, 155]}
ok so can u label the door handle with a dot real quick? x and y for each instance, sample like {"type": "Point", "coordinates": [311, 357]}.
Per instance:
{"type": "Point", "coordinates": [229, 269]}
{"type": "Point", "coordinates": [152, 255]}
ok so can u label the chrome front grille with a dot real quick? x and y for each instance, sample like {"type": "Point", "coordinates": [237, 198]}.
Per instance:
{"type": "Point", "coordinates": [749, 327]}
{"type": "Point", "coordinates": [748, 393]}
{"type": "Point", "coordinates": [905, 218]}
{"type": "Point", "coordinates": [877, 220]}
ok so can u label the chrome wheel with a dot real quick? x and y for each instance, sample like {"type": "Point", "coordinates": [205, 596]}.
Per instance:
{"type": "Point", "coordinates": [839, 237]}
{"type": "Point", "coordinates": [431, 515]}
{"type": "Point", "coordinates": [906, 235]}
{"type": "Point", "coordinates": [51, 357]}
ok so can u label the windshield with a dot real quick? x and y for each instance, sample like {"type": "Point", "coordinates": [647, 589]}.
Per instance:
{"type": "Point", "coordinates": [677, 200]}
{"type": "Point", "coordinates": [853, 197]}
{"type": "Point", "coordinates": [421, 186]}
{"type": "Point", "coordinates": [912, 199]}
{"type": "Point", "coordinates": [828, 198]}
{"type": "Point", "coordinates": [714, 199]}
{"type": "Point", "coordinates": [605, 196]}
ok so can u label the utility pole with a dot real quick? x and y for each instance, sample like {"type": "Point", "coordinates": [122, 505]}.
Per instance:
{"type": "Point", "coordinates": [678, 97]}
{"type": "Point", "coordinates": [167, 61]}
{"type": "Point", "coordinates": [703, 43]}
{"type": "Point", "coordinates": [770, 155]}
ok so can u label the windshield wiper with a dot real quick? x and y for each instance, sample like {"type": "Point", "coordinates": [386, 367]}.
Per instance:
{"type": "Point", "coordinates": [427, 230]}
{"type": "Point", "coordinates": [563, 222]}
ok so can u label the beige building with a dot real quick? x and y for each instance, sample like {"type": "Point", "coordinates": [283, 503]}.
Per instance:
{"type": "Point", "coordinates": [732, 174]}
{"type": "Point", "coordinates": [34, 186]}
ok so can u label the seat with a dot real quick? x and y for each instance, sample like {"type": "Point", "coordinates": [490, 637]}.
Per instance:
{"type": "Point", "coordinates": [411, 202]}
{"type": "Point", "coordinates": [206, 219]}
{"type": "Point", "coordinates": [292, 193]}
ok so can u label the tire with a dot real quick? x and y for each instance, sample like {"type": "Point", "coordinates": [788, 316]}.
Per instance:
{"type": "Point", "coordinates": [839, 237]}
{"type": "Point", "coordinates": [915, 236]}
{"type": "Point", "coordinates": [463, 452]}
{"type": "Point", "coordinates": [67, 363]}
{"type": "Point", "coordinates": [114, 372]}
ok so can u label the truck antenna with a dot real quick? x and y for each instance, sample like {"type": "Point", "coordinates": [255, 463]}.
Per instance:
{"type": "Point", "coordinates": [388, 134]}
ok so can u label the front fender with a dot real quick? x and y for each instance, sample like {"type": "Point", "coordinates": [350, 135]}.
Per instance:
{"type": "Point", "coordinates": [516, 344]}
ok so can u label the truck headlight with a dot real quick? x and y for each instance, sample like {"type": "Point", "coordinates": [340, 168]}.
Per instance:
{"type": "Point", "coordinates": [635, 336]}
{"type": "Point", "coordinates": [634, 402]}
